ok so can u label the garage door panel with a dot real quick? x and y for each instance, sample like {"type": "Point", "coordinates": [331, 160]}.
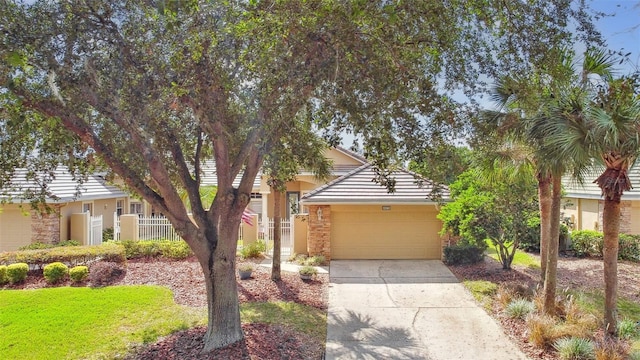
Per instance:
{"type": "Point", "coordinates": [369, 233]}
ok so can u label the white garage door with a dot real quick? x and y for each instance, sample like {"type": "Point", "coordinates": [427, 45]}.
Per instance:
{"type": "Point", "coordinates": [390, 232]}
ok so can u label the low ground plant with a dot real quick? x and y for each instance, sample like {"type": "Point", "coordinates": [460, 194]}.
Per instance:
{"type": "Point", "coordinates": [627, 329]}
{"type": "Point", "coordinates": [17, 273]}
{"type": "Point", "coordinates": [79, 273]}
{"type": "Point", "coordinates": [105, 273]}
{"type": "Point", "coordinates": [519, 309]}
{"type": "Point", "coordinates": [55, 272]}
{"type": "Point", "coordinates": [462, 254]}
{"type": "Point", "coordinates": [575, 349]}
{"type": "Point", "coordinates": [253, 250]}
{"type": "Point", "coordinates": [3, 275]}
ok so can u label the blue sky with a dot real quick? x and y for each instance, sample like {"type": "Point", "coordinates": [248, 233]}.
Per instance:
{"type": "Point", "coordinates": [622, 28]}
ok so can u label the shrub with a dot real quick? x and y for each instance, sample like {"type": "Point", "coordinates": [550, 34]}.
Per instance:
{"type": "Point", "coordinates": [541, 330]}
{"type": "Point", "coordinates": [463, 254]}
{"type": "Point", "coordinates": [519, 309]}
{"type": "Point", "coordinates": [17, 273]}
{"type": "Point", "coordinates": [629, 247]}
{"type": "Point", "coordinates": [587, 243]}
{"type": "Point", "coordinates": [3, 275]}
{"type": "Point", "coordinates": [66, 254]}
{"type": "Point", "coordinates": [55, 272]}
{"type": "Point", "coordinates": [575, 349]}
{"type": "Point", "coordinates": [315, 260]}
{"type": "Point", "coordinates": [308, 270]}
{"type": "Point", "coordinates": [36, 246]}
{"type": "Point", "coordinates": [176, 250]}
{"type": "Point", "coordinates": [253, 250]}
{"type": "Point", "coordinates": [79, 273]}
{"type": "Point", "coordinates": [107, 234]}
{"type": "Point", "coordinates": [627, 329]}
{"type": "Point", "coordinates": [105, 273]}
{"type": "Point", "coordinates": [68, 243]}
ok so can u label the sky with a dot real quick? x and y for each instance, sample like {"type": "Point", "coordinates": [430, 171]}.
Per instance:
{"type": "Point", "coordinates": [622, 28]}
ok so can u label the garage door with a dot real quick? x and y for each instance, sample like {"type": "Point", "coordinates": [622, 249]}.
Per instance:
{"type": "Point", "coordinates": [385, 232]}
{"type": "Point", "coordinates": [15, 229]}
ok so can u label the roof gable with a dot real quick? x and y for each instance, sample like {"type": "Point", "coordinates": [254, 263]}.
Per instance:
{"type": "Point", "coordinates": [358, 187]}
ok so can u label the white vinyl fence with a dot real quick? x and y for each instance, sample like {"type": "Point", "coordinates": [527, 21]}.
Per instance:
{"type": "Point", "coordinates": [286, 236]}
{"type": "Point", "coordinates": [156, 228]}
{"type": "Point", "coordinates": [95, 230]}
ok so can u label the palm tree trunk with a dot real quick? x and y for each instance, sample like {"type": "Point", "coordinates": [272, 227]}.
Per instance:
{"type": "Point", "coordinates": [277, 232]}
{"type": "Point", "coordinates": [544, 201]}
{"type": "Point", "coordinates": [551, 276]}
{"type": "Point", "coordinates": [611, 227]}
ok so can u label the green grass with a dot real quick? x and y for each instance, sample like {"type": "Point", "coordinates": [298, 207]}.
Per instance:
{"type": "Point", "coordinates": [86, 323]}
{"type": "Point", "coordinates": [482, 291]}
{"type": "Point", "coordinates": [521, 258]}
{"type": "Point", "coordinates": [302, 318]}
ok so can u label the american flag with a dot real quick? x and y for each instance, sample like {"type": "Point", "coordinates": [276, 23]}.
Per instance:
{"type": "Point", "coordinates": [247, 216]}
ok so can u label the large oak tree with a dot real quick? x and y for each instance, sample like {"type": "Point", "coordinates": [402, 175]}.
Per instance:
{"type": "Point", "coordinates": [152, 89]}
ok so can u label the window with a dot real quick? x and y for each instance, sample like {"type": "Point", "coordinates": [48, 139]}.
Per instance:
{"type": "Point", "coordinates": [87, 207]}
{"type": "Point", "coordinates": [119, 207]}
{"type": "Point", "coordinates": [293, 203]}
{"type": "Point", "coordinates": [135, 208]}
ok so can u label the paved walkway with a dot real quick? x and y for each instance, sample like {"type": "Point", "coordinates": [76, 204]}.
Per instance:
{"type": "Point", "coordinates": [408, 309]}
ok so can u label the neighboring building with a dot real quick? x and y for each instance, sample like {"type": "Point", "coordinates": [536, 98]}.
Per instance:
{"type": "Point", "coordinates": [21, 225]}
{"type": "Point", "coordinates": [583, 204]}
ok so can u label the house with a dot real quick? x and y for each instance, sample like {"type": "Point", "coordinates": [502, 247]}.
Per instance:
{"type": "Point", "coordinates": [353, 217]}
{"type": "Point", "coordinates": [583, 204]}
{"type": "Point", "coordinates": [21, 225]}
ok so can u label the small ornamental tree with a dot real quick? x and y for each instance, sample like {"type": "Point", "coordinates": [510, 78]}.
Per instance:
{"type": "Point", "coordinates": [502, 212]}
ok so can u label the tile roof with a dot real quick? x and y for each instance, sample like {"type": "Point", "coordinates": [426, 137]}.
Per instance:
{"type": "Point", "coordinates": [357, 187]}
{"type": "Point", "coordinates": [64, 188]}
{"type": "Point", "coordinates": [590, 190]}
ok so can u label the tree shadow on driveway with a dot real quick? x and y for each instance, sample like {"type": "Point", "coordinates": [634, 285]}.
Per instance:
{"type": "Point", "coordinates": [357, 336]}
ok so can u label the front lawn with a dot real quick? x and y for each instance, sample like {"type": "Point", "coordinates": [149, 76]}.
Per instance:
{"type": "Point", "coordinates": [79, 323]}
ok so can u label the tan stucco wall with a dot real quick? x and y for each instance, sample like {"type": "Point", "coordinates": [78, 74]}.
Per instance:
{"type": "Point", "coordinates": [339, 158]}
{"type": "Point", "coordinates": [585, 213]}
{"type": "Point", "coordinates": [65, 218]}
{"type": "Point", "coordinates": [634, 226]}
{"type": "Point", "coordinates": [15, 226]}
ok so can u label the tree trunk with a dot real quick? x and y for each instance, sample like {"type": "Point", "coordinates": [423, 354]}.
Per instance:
{"type": "Point", "coordinates": [551, 275]}
{"type": "Point", "coordinates": [222, 292]}
{"type": "Point", "coordinates": [611, 228]}
{"type": "Point", "coordinates": [544, 201]}
{"type": "Point", "coordinates": [277, 233]}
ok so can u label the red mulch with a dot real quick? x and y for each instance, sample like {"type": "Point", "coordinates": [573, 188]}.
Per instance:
{"type": "Point", "coordinates": [575, 273]}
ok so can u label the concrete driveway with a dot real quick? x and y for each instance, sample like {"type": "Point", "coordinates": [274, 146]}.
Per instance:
{"type": "Point", "coordinates": [408, 309]}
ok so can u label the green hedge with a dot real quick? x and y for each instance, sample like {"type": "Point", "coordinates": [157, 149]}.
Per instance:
{"type": "Point", "coordinates": [72, 255]}
{"type": "Point", "coordinates": [462, 254]}
{"type": "Point", "coordinates": [176, 250]}
{"type": "Point", "coordinates": [591, 243]}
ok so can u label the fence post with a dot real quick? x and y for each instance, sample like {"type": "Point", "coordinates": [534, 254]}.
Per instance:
{"type": "Point", "coordinates": [80, 227]}
{"type": "Point", "coordinates": [299, 234]}
{"type": "Point", "coordinates": [129, 227]}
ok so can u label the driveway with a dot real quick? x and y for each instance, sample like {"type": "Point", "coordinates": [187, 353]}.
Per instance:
{"type": "Point", "coordinates": [408, 309]}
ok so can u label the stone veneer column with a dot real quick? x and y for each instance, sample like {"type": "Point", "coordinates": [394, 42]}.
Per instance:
{"type": "Point", "coordinates": [319, 239]}
{"type": "Point", "coordinates": [45, 227]}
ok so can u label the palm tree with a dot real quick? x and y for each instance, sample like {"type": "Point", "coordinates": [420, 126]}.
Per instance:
{"type": "Point", "coordinates": [599, 120]}
{"type": "Point", "coordinates": [519, 150]}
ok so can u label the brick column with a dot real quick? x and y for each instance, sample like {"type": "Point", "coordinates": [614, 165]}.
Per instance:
{"type": "Point", "coordinates": [319, 231]}
{"type": "Point", "coordinates": [45, 226]}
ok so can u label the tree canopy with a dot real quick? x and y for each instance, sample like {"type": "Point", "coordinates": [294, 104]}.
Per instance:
{"type": "Point", "coordinates": [151, 89]}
